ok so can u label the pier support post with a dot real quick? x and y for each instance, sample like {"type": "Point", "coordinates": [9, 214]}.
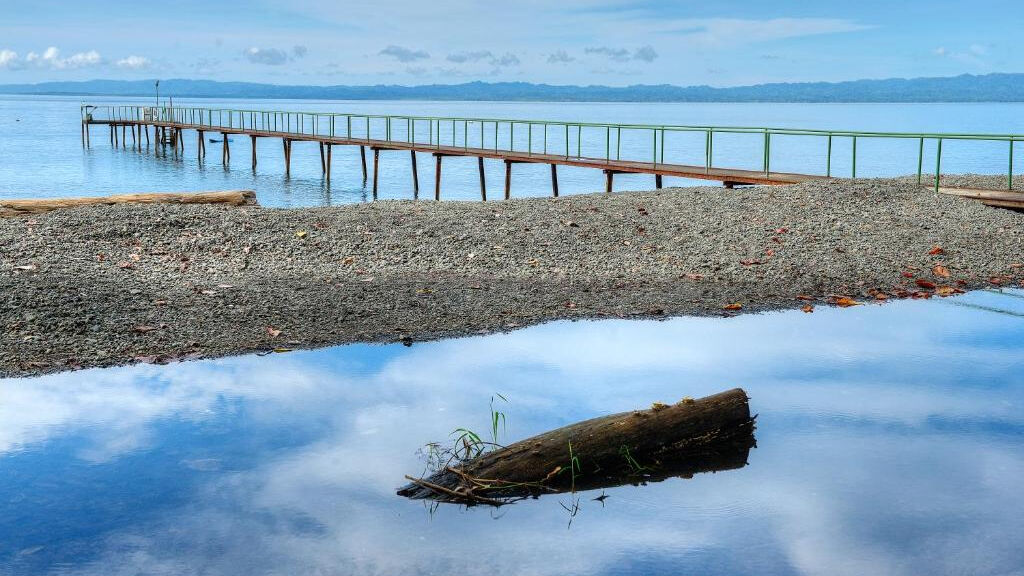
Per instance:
{"type": "Point", "coordinates": [415, 176]}
{"type": "Point", "coordinates": [146, 129]}
{"type": "Point", "coordinates": [554, 180]}
{"type": "Point", "coordinates": [253, 139]}
{"type": "Point", "coordinates": [123, 145]}
{"type": "Point", "coordinates": [608, 176]}
{"type": "Point", "coordinates": [328, 166]}
{"type": "Point", "coordinates": [200, 145]}
{"type": "Point", "coordinates": [437, 177]}
{"type": "Point", "coordinates": [508, 179]}
{"type": "Point", "coordinates": [323, 161]}
{"type": "Point", "coordinates": [362, 156]}
{"type": "Point", "coordinates": [287, 144]}
{"type": "Point", "coordinates": [483, 180]}
{"type": "Point", "coordinates": [376, 163]}
{"type": "Point", "coordinates": [657, 181]}
{"type": "Point", "coordinates": [181, 140]}
{"type": "Point", "coordinates": [225, 153]}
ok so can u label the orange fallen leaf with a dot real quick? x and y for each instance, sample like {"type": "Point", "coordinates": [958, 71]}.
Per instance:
{"type": "Point", "coordinates": [945, 291]}
{"type": "Point", "coordinates": [881, 296]}
{"type": "Point", "coordinates": [936, 250]}
{"type": "Point", "coordinates": [845, 302]}
{"type": "Point", "coordinates": [940, 270]}
{"type": "Point", "coordinates": [808, 308]}
{"type": "Point", "coordinates": [907, 274]}
{"type": "Point", "coordinates": [804, 297]}
{"type": "Point", "coordinates": [273, 332]}
{"type": "Point", "coordinates": [733, 306]}
{"type": "Point", "coordinates": [749, 262]}
{"type": "Point", "coordinates": [925, 284]}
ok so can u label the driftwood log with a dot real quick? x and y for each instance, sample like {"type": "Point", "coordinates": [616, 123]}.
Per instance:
{"type": "Point", "coordinates": [706, 435]}
{"type": "Point", "coordinates": [9, 208]}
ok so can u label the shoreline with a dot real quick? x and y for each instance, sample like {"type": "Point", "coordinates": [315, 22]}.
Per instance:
{"type": "Point", "coordinates": [110, 285]}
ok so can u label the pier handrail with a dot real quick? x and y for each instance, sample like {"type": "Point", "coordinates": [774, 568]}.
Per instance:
{"type": "Point", "coordinates": [355, 126]}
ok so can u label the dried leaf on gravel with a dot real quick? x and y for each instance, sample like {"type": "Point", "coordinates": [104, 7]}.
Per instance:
{"type": "Point", "coordinates": [945, 291]}
{"type": "Point", "coordinates": [144, 329]}
{"type": "Point", "coordinates": [846, 302]}
{"type": "Point", "coordinates": [273, 332]}
{"type": "Point", "coordinates": [733, 306]}
{"type": "Point", "coordinates": [927, 285]}
{"type": "Point", "coordinates": [808, 308]}
{"type": "Point", "coordinates": [300, 233]}
{"type": "Point", "coordinates": [805, 297]}
{"type": "Point", "coordinates": [749, 262]}
{"type": "Point", "coordinates": [936, 250]}
{"type": "Point", "coordinates": [940, 270]}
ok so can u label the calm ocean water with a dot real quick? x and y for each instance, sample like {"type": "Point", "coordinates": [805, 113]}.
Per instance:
{"type": "Point", "coordinates": [890, 441]}
{"type": "Point", "coordinates": [41, 154]}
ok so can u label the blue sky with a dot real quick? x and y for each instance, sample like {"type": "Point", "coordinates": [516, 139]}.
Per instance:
{"type": "Point", "coordinates": [614, 42]}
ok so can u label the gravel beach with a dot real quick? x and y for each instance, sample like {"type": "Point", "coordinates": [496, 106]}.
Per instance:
{"type": "Point", "coordinates": [110, 285]}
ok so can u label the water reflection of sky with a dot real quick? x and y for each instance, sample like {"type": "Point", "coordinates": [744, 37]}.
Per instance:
{"type": "Point", "coordinates": [889, 443]}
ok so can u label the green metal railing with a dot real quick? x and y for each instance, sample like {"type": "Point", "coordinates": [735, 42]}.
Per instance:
{"type": "Point", "coordinates": [392, 128]}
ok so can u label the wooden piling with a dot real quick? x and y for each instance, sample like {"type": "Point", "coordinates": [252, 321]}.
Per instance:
{"type": "Point", "coordinates": [483, 180]}
{"type": "Point", "coordinates": [376, 163]}
{"type": "Point", "coordinates": [329, 147]}
{"type": "Point", "coordinates": [224, 149]}
{"type": "Point", "coordinates": [253, 152]}
{"type": "Point", "coordinates": [554, 180]}
{"type": "Point", "coordinates": [323, 161]}
{"type": "Point", "coordinates": [415, 176]}
{"type": "Point", "coordinates": [287, 156]}
{"type": "Point", "coordinates": [362, 156]}
{"type": "Point", "coordinates": [123, 130]}
{"type": "Point", "coordinates": [608, 176]}
{"type": "Point", "coordinates": [657, 181]}
{"type": "Point", "coordinates": [437, 178]}
{"type": "Point", "coordinates": [508, 179]}
{"type": "Point", "coordinates": [146, 128]}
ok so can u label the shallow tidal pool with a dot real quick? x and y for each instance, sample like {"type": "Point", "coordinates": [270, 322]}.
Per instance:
{"type": "Point", "coordinates": [890, 440]}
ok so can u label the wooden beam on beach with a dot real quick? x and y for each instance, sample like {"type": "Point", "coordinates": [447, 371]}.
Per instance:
{"type": "Point", "coordinates": [996, 198]}
{"type": "Point", "coordinates": [10, 208]}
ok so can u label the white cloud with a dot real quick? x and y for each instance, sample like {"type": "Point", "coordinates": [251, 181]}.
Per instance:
{"type": "Point", "coordinates": [403, 54]}
{"type": "Point", "coordinates": [9, 59]}
{"type": "Point", "coordinates": [51, 58]}
{"type": "Point", "coordinates": [461, 57]}
{"type": "Point", "coordinates": [134, 62]}
{"type": "Point", "coordinates": [266, 56]}
{"type": "Point", "coordinates": [560, 57]}
{"type": "Point", "coordinates": [721, 31]}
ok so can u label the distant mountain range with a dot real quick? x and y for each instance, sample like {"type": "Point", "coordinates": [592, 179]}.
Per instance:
{"type": "Point", "coordinates": [964, 88]}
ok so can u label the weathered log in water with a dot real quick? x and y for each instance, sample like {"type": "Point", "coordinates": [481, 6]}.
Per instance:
{"type": "Point", "coordinates": [706, 435]}
{"type": "Point", "coordinates": [9, 208]}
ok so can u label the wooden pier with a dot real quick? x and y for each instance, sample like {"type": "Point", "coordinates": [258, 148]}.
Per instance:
{"type": "Point", "coordinates": [496, 140]}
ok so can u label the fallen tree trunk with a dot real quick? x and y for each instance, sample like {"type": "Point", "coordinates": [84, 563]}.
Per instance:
{"type": "Point", "coordinates": [9, 208]}
{"type": "Point", "coordinates": [705, 435]}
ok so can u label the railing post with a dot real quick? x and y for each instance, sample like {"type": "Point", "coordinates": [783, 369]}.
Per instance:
{"type": "Point", "coordinates": [938, 165]}
{"type": "Point", "coordinates": [920, 159]}
{"type": "Point", "coordinates": [853, 168]}
{"type": "Point", "coordinates": [828, 163]}
{"type": "Point", "coordinates": [707, 152]}
{"type": "Point", "coordinates": [1009, 173]}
